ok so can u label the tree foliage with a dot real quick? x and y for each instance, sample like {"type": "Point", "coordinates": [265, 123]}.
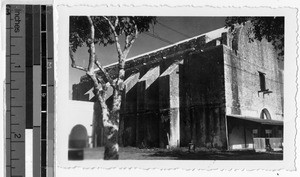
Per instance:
{"type": "Point", "coordinates": [104, 35]}
{"type": "Point", "coordinates": [270, 28]}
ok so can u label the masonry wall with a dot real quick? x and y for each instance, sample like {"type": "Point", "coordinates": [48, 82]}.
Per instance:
{"type": "Point", "coordinates": [242, 65]}
{"type": "Point", "coordinates": [154, 110]}
{"type": "Point", "coordinates": [243, 61]}
{"type": "Point", "coordinates": [203, 100]}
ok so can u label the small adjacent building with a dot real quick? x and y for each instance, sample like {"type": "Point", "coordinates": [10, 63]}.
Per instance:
{"type": "Point", "coordinates": [216, 90]}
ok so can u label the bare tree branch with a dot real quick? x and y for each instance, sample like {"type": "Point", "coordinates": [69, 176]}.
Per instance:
{"type": "Point", "coordinates": [129, 42]}
{"type": "Point", "coordinates": [91, 46]}
{"type": "Point", "coordinates": [74, 62]}
{"type": "Point", "coordinates": [116, 21]}
{"type": "Point", "coordinates": [99, 84]}
{"type": "Point", "coordinates": [127, 39]}
{"type": "Point", "coordinates": [113, 27]}
{"type": "Point", "coordinates": [103, 70]}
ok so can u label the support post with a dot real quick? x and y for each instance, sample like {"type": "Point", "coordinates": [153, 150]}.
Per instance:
{"type": "Point", "coordinates": [174, 109]}
{"type": "Point", "coordinates": [227, 136]}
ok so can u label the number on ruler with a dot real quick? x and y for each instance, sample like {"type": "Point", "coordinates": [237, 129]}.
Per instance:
{"type": "Point", "coordinates": [18, 135]}
{"type": "Point", "coordinates": [8, 10]}
{"type": "Point", "coordinates": [49, 65]}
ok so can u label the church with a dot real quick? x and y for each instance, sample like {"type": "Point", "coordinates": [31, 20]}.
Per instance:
{"type": "Point", "coordinates": [215, 90]}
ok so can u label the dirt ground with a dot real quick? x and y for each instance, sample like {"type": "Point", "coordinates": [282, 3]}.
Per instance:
{"type": "Point", "coordinates": [132, 153]}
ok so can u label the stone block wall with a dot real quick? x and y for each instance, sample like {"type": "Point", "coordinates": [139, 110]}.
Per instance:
{"type": "Point", "coordinates": [203, 99]}
{"type": "Point", "coordinates": [242, 82]}
{"type": "Point", "coordinates": [243, 63]}
{"type": "Point", "coordinates": [154, 105]}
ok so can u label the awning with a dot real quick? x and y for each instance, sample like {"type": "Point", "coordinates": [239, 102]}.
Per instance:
{"type": "Point", "coordinates": [257, 119]}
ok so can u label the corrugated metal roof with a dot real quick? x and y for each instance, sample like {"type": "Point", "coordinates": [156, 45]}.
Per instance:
{"type": "Point", "coordinates": [257, 119]}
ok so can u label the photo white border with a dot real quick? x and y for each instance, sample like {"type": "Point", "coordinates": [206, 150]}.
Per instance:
{"type": "Point", "coordinates": [63, 13]}
{"type": "Point", "coordinates": [290, 74]}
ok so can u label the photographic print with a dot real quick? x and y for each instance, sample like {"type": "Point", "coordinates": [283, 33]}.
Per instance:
{"type": "Point", "coordinates": [175, 89]}
{"type": "Point", "coordinates": [212, 96]}
{"type": "Point", "coordinates": [134, 88]}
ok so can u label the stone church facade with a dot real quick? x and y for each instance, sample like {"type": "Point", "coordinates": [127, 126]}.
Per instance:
{"type": "Point", "coordinates": [216, 90]}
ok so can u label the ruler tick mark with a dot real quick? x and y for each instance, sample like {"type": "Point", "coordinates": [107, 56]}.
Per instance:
{"type": "Point", "coordinates": [17, 141]}
{"type": "Point", "coordinates": [17, 71]}
{"type": "Point", "coordinates": [16, 36]}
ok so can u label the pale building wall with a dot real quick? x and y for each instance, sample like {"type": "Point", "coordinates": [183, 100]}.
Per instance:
{"type": "Point", "coordinates": [242, 81]}
{"type": "Point", "coordinates": [243, 61]}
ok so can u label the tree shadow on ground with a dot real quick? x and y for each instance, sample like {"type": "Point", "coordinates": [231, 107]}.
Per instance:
{"type": "Point", "coordinates": [217, 155]}
{"type": "Point", "coordinates": [182, 153]}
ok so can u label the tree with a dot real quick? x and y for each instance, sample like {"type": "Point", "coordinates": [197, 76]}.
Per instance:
{"type": "Point", "coordinates": [102, 30]}
{"type": "Point", "coordinates": [270, 28]}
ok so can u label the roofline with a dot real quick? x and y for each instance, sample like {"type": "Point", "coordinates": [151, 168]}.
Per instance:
{"type": "Point", "coordinates": [257, 119]}
{"type": "Point", "coordinates": [171, 45]}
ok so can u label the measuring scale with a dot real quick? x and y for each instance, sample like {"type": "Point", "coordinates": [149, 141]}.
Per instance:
{"type": "Point", "coordinates": [29, 91]}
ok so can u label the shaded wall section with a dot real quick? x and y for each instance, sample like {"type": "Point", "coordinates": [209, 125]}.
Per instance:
{"type": "Point", "coordinates": [203, 113]}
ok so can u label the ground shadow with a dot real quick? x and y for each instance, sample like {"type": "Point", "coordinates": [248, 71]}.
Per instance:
{"type": "Point", "coordinates": [133, 153]}
{"type": "Point", "coordinates": [218, 155]}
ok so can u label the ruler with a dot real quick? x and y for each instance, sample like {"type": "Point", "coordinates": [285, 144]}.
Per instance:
{"type": "Point", "coordinates": [29, 91]}
{"type": "Point", "coordinates": [15, 91]}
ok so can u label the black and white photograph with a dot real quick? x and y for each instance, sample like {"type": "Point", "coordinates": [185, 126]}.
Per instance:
{"type": "Point", "coordinates": [147, 87]}
{"type": "Point", "coordinates": [96, 88]}
{"type": "Point", "coordinates": [177, 88]}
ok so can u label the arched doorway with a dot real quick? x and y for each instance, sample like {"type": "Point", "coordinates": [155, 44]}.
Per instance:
{"type": "Point", "coordinates": [265, 114]}
{"type": "Point", "coordinates": [78, 137]}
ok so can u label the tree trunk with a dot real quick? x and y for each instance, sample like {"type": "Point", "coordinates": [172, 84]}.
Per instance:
{"type": "Point", "coordinates": [111, 122]}
{"type": "Point", "coordinates": [111, 132]}
{"type": "Point", "coordinates": [111, 126]}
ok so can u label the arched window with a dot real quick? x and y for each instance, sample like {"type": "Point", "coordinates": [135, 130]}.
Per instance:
{"type": "Point", "coordinates": [78, 137]}
{"type": "Point", "coordinates": [265, 114]}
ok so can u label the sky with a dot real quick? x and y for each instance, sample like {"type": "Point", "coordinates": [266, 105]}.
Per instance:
{"type": "Point", "coordinates": [169, 29]}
